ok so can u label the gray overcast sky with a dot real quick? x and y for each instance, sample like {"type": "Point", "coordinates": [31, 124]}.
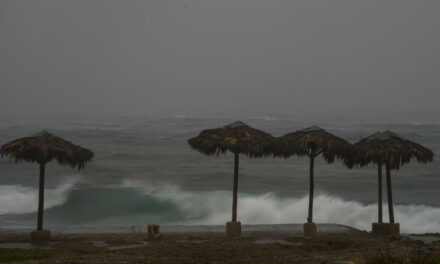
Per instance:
{"type": "Point", "coordinates": [202, 57]}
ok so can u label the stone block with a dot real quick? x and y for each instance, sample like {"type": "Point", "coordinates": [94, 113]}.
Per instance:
{"type": "Point", "coordinates": [386, 229]}
{"type": "Point", "coordinates": [40, 236]}
{"type": "Point", "coordinates": [309, 229]}
{"type": "Point", "coordinates": [233, 230]}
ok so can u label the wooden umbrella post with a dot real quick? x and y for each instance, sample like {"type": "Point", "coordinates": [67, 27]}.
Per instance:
{"type": "Point", "coordinates": [233, 228]}
{"type": "Point", "coordinates": [379, 191]}
{"type": "Point", "coordinates": [311, 189]}
{"type": "Point", "coordinates": [310, 226]}
{"type": "Point", "coordinates": [388, 229]}
{"type": "Point", "coordinates": [41, 198]}
{"type": "Point", "coordinates": [390, 195]}
{"type": "Point", "coordinates": [40, 235]}
{"type": "Point", "coordinates": [235, 189]}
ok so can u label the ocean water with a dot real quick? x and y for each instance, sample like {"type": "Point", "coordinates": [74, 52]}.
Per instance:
{"type": "Point", "coordinates": [145, 172]}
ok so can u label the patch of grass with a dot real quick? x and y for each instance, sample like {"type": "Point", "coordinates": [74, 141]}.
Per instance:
{"type": "Point", "coordinates": [14, 257]}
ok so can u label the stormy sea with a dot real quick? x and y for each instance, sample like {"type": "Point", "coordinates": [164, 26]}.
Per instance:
{"type": "Point", "coordinates": [145, 172]}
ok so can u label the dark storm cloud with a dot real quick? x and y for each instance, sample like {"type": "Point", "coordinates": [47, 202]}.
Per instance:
{"type": "Point", "coordinates": [201, 57]}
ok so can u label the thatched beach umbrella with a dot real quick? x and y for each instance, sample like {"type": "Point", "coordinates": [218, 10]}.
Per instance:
{"type": "Point", "coordinates": [312, 142]}
{"type": "Point", "coordinates": [238, 138]}
{"type": "Point", "coordinates": [42, 148]}
{"type": "Point", "coordinates": [392, 151]}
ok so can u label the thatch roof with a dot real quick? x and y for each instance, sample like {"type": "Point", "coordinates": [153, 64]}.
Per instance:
{"type": "Point", "coordinates": [45, 147]}
{"type": "Point", "coordinates": [236, 137]}
{"type": "Point", "coordinates": [389, 148]}
{"type": "Point", "coordinates": [314, 138]}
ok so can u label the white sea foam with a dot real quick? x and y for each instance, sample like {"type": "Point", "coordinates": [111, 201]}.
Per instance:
{"type": "Point", "coordinates": [18, 199]}
{"type": "Point", "coordinates": [211, 208]}
{"type": "Point", "coordinates": [214, 207]}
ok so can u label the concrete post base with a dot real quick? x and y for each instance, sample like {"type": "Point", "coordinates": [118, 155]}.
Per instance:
{"type": "Point", "coordinates": [233, 230]}
{"type": "Point", "coordinates": [40, 236]}
{"type": "Point", "coordinates": [386, 229]}
{"type": "Point", "coordinates": [154, 232]}
{"type": "Point", "coordinates": [309, 229]}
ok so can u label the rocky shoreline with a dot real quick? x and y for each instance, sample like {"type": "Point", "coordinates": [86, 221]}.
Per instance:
{"type": "Point", "coordinates": [213, 247]}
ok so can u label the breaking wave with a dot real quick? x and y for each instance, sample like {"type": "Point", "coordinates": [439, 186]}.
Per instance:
{"type": "Point", "coordinates": [18, 199]}
{"type": "Point", "coordinates": [133, 203]}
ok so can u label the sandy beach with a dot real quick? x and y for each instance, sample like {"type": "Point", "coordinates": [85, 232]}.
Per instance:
{"type": "Point", "coordinates": [340, 246]}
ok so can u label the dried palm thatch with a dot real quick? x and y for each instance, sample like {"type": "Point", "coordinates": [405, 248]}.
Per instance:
{"type": "Point", "coordinates": [392, 151]}
{"type": "Point", "coordinates": [43, 148]}
{"type": "Point", "coordinates": [312, 142]}
{"type": "Point", "coordinates": [238, 138]}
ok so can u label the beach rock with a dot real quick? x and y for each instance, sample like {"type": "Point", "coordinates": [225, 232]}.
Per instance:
{"type": "Point", "coordinates": [154, 232]}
